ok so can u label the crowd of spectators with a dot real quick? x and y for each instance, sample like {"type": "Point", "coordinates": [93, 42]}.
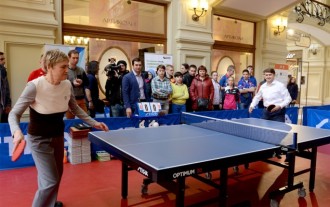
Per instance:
{"type": "Point", "coordinates": [188, 88]}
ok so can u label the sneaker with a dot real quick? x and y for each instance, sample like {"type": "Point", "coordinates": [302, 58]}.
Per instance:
{"type": "Point", "coordinates": [58, 204]}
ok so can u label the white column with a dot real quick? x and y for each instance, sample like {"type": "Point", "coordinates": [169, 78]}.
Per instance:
{"type": "Point", "coordinates": [189, 41]}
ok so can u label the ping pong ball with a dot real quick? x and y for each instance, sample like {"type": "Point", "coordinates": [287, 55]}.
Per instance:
{"type": "Point", "coordinates": [155, 124]}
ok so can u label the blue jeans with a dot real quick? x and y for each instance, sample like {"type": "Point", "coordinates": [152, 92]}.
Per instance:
{"type": "Point", "coordinates": [244, 105]}
{"type": "Point", "coordinates": [178, 108]}
{"type": "Point", "coordinates": [117, 110]}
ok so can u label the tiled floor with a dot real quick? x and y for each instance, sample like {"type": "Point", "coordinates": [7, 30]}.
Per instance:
{"type": "Point", "coordinates": [97, 184]}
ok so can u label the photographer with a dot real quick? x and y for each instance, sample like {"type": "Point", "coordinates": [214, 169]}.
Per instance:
{"type": "Point", "coordinates": [113, 89]}
{"type": "Point", "coordinates": [111, 66]}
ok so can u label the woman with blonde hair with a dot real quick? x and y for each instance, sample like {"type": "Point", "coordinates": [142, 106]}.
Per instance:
{"type": "Point", "coordinates": [48, 98]}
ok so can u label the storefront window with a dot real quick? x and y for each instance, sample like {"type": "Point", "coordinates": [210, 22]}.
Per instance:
{"type": "Point", "coordinates": [234, 45]}
{"type": "Point", "coordinates": [233, 30]}
{"type": "Point", "coordinates": [116, 14]}
{"type": "Point", "coordinates": [102, 50]}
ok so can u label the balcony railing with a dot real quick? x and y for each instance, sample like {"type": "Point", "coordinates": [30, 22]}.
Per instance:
{"type": "Point", "coordinates": [313, 9]}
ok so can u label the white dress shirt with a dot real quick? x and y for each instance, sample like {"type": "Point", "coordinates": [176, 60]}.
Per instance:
{"type": "Point", "coordinates": [140, 81]}
{"type": "Point", "coordinates": [217, 93]}
{"type": "Point", "coordinates": [274, 93]}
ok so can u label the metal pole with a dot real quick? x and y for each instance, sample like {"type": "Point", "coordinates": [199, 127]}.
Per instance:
{"type": "Point", "coordinates": [307, 81]}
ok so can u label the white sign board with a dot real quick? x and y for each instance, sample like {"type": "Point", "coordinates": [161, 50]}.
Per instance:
{"type": "Point", "coordinates": [152, 60]}
{"type": "Point", "coordinates": [281, 73]}
{"type": "Point", "coordinates": [66, 48]}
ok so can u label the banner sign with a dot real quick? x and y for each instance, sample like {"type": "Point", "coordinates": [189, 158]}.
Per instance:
{"type": "Point", "coordinates": [281, 73]}
{"type": "Point", "coordinates": [318, 118]}
{"type": "Point", "coordinates": [66, 48]}
{"type": "Point", "coordinates": [152, 60]}
{"type": "Point", "coordinates": [306, 110]}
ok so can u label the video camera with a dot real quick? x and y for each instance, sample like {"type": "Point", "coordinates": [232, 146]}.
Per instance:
{"type": "Point", "coordinates": [111, 68]}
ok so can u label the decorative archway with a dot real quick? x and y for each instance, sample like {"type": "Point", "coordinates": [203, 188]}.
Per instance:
{"type": "Point", "coordinates": [223, 64]}
{"type": "Point", "coordinates": [118, 54]}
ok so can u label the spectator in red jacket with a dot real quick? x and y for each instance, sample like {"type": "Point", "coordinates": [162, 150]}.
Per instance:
{"type": "Point", "coordinates": [201, 91]}
{"type": "Point", "coordinates": [37, 72]}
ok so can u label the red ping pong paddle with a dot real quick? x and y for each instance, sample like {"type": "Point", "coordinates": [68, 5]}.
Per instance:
{"type": "Point", "coordinates": [270, 107]}
{"type": "Point", "coordinates": [18, 151]}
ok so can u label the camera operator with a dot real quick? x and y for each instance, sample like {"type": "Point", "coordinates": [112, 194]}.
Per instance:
{"type": "Point", "coordinates": [113, 88]}
{"type": "Point", "coordinates": [111, 66]}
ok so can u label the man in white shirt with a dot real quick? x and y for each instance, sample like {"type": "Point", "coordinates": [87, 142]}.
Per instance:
{"type": "Point", "coordinates": [275, 96]}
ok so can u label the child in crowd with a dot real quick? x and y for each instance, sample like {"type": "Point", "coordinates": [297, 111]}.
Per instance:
{"type": "Point", "coordinates": [231, 95]}
{"type": "Point", "coordinates": [179, 94]}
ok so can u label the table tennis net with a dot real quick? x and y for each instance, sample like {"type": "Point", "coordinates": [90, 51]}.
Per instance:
{"type": "Point", "coordinates": [258, 133]}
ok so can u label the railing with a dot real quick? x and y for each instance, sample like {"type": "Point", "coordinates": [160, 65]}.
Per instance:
{"type": "Point", "coordinates": [314, 9]}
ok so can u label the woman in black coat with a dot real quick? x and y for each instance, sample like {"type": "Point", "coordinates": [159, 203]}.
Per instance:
{"type": "Point", "coordinates": [293, 90]}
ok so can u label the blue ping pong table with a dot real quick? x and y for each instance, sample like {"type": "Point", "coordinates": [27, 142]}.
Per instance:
{"type": "Point", "coordinates": [168, 154]}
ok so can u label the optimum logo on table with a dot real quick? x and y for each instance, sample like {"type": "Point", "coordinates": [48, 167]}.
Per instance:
{"type": "Point", "coordinates": [184, 173]}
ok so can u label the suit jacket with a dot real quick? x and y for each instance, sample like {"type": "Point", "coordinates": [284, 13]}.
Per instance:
{"type": "Point", "coordinates": [5, 99]}
{"type": "Point", "coordinates": [131, 91]}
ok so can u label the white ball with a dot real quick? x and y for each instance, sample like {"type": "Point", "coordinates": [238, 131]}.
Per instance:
{"type": "Point", "coordinates": [155, 124]}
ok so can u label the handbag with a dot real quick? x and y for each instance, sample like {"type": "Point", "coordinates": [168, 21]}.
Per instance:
{"type": "Point", "coordinates": [202, 102]}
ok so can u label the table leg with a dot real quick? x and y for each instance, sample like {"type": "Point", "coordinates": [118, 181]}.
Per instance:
{"type": "Point", "coordinates": [312, 169]}
{"type": "Point", "coordinates": [223, 187]}
{"type": "Point", "coordinates": [180, 192]}
{"type": "Point", "coordinates": [124, 180]}
{"type": "Point", "coordinates": [292, 162]}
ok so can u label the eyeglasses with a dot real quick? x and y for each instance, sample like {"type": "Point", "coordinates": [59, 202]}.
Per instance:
{"type": "Point", "coordinates": [2, 59]}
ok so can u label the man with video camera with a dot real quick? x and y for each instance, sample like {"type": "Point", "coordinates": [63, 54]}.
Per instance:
{"type": "Point", "coordinates": [113, 88]}
{"type": "Point", "coordinates": [112, 66]}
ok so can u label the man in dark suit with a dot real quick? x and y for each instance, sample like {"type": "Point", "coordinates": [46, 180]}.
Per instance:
{"type": "Point", "coordinates": [134, 88]}
{"type": "Point", "coordinates": [5, 100]}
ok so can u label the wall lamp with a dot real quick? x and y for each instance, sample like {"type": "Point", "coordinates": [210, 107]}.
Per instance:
{"type": "Point", "coordinates": [199, 5]}
{"type": "Point", "coordinates": [313, 49]}
{"type": "Point", "coordinates": [280, 26]}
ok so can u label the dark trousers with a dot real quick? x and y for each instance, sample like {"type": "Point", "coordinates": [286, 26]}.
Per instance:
{"type": "Point", "coordinates": [134, 109]}
{"type": "Point", "coordinates": [3, 117]}
{"type": "Point", "coordinates": [189, 105]}
{"type": "Point", "coordinates": [278, 115]}
{"type": "Point", "coordinates": [216, 107]}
